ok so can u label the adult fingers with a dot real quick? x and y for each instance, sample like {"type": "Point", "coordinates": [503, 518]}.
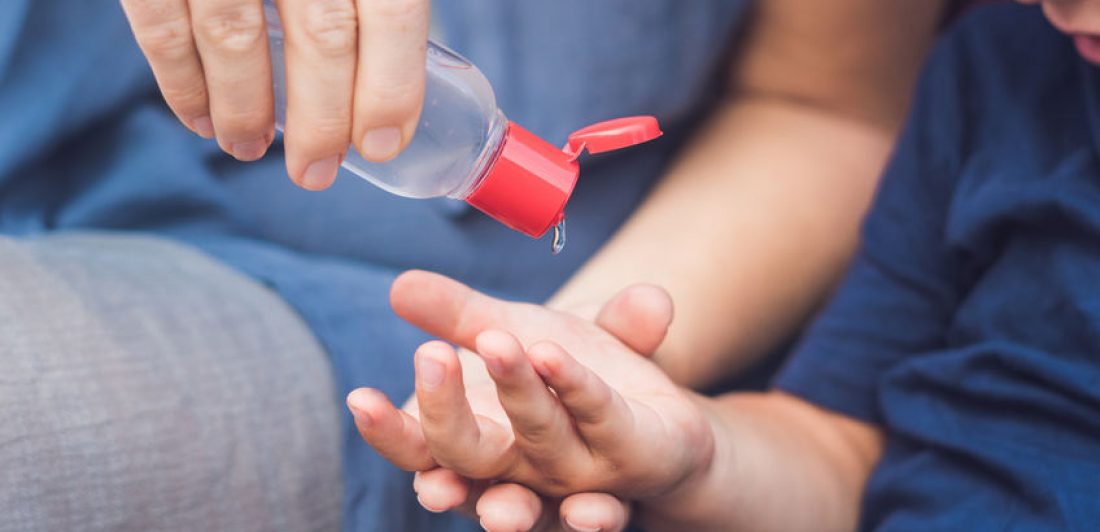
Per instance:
{"type": "Point", "coordinates": [508, 507]}
{"type": "Point", "coordinates": [231, 37]}
{"type": "Point", "coordinates": [445, 308]}
{"type": "Point", "coordinates": [543, 430]}
{"type": "Point", "coordinates": [163, 31]}
{"type": "Point", "coordinates": [440, 490]}
{"type": "Point", "coordinates": [321, 43]}
{"type": "Point", "coordinates": [393, 433]}
{"type": "Point", "coordinates": [451, 484]}
{"type": "Point", "coordinates": [594, 511]}
{"type": "Point", "coordinates": [601, 415]}
{"type": "Point", "coordinates": [471, 446]}
{"type": "Point", "coordinates": [639, 317]}
{"type": "Point", "coordinates": [389, 89]}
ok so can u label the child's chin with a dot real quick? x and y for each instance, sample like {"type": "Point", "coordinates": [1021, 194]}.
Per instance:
{"type": "Point", "coordinates": [1089, 47]}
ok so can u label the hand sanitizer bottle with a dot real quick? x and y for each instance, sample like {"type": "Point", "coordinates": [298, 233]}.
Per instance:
{"type": "Point", "coordinates": [464, 147]}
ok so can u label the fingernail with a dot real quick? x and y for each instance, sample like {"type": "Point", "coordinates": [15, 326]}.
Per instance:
{"type": "Point", "coordinates": [581, 528]}
{"type": "Point", "coordinates": [426, 507]}
{"type": "Point", "coordinates": [542, 369]}
{"type": "Point", "coordinates": [204, 127]}
{"type": "Point", "coordinates": [494, 365]}
{"type": "Point", "coordinates": [249, 151]}
{"type": "Point", "coordinates": [319, 174]}
{"type": "Point", "coordinates": [381, 144]}
{"type": "Point", "coordinates": [357, 411]}
{"type": "Point", "coordinates": [361, 416]}
{"type": "Point", "coordinates": [430, 372]}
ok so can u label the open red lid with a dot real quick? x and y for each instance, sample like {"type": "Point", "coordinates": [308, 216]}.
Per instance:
{"type": "Point", "coordinates": [530, 182]}
{"type": "Point", "coordinates": [613, 135]}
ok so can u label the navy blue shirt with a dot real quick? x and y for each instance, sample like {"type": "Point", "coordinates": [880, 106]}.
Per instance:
{"type": "Point", "coordinates": [968, 327]}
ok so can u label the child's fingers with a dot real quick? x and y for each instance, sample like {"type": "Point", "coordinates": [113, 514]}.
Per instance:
{"type": "Point", "coordinates": [454, 435]}
{"type": "Point", "coordinates": [542, 428]}
{"type": "Point", "coordinates": [508, 507]}
{"type": "Point", "coordinates": [601, 415]}
{"type": "Point", "coordinates": [639, 317]}
{"type": "Point", "coordinates": [594, 511]}
{"type": "Point", "coordinates": [393, 433]}
{"type": "Point", "coordinates": [440, 490]}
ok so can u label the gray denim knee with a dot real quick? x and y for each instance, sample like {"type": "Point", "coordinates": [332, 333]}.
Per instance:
{"type": "Point", "coordinates": [143, 386]}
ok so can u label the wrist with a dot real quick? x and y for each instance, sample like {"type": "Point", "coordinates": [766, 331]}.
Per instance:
{"type": "Point", "coordinates": [691, 502]}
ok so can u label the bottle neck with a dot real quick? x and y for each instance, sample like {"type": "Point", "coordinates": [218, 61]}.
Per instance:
{"type": "Point", "coordinates": [494, 143]}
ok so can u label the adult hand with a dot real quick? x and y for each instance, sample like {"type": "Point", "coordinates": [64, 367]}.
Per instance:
{"type": "Point", "coordinates": [445, 431]}
{"type": "Point", "coordinates": [355, 75]}
{"type": "Point", "coordinates": [510, 507]}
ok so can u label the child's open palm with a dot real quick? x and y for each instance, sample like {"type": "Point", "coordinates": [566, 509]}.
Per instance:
{"type": "Point", "coordinates": [608, 420]}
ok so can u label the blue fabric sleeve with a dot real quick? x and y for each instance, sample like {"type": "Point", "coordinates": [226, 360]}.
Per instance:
{"type": "Point", "coordinates": [968, 325]}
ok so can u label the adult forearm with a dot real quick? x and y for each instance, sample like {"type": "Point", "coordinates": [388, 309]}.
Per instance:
{"type": "Point", "coordinates": [780, 464]}
{"type": "Point", "coordinates": [748, 231]}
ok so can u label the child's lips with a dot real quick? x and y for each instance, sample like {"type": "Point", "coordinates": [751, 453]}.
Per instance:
{"type": "Point", "coordinates": [1089, 47]}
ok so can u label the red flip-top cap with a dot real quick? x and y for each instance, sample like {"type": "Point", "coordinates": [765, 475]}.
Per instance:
{"type": "Point", "coordinates": [530, 182]}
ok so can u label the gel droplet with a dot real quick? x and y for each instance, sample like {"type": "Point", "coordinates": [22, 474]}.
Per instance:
{"type": "Point", "coordinates": [558, 243]}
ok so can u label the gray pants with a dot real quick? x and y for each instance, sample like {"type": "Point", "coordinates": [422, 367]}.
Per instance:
{"type": "Point", "coordinates": [145, 387]}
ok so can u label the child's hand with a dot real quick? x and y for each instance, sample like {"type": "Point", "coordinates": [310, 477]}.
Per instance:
{"type": "Point", "coordinates": [639, 437]}
{"type": "Point", "coordinates": [618, 425]}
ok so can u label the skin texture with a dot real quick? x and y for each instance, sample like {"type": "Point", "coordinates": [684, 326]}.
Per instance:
{"type": "Point", "coordinates": [773, 189]}
{"type": "Point", "coordinates": [608, 421]}
{"type": "Point", "coordinates": [441, 431]}
{"type": "Point", "coordinates": [355, 75]}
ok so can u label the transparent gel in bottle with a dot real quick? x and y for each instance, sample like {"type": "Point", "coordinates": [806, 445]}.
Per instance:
{"type": "Point", "coordinates": [465, 149]}
{"type": "Point", "coordinates": [460, 126]}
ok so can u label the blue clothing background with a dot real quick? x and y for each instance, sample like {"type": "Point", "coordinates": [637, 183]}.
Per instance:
{"type": "Point", "coordinates": [969, 324]}
{"type": "Point", "coordinates": [86, 142]}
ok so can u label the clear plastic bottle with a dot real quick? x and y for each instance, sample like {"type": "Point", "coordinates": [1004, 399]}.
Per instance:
{"type": "Point", "coordinates": [464, 147]}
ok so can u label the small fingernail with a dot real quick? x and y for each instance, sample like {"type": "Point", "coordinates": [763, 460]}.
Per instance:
{"type": "Point", "coordinates": [204, 127]}
{"type": "Point", "coordinates": [320, 174]}
{"type": "Point", "coordinates": [381, 144]}
{"type": "Point", "coordinates": [581, 528]}
{"type": "Point", "coordinates": [361, 416]}
{"type": "Point", "coordinates": [495, 366]}
{"type": "Point", "coordinates": [249, 151]}
{"type": "Point", "coordinates": [356, 407]}
{"type": "Point", "coordinates": [430, 372]}
{"type": "Point", "coordinates": [426, 507]}
{"type": "Point", "coordinates": [542, 369]}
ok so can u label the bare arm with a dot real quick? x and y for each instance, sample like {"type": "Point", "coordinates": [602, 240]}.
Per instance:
{"type": "Point", "coordinates": [755, 223]}
{"type": "Point", "coordinates": [780, 463]}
